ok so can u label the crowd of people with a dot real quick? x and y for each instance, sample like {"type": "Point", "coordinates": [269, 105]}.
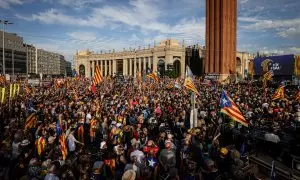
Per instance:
{"type": "Point", "coordinates": [134, 130]}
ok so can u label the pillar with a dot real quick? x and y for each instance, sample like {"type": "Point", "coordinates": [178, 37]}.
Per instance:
{"type": "Point", "coordinates": [134, 69]}
{"type": "Point", "coordinates": [124, 67]}
{"type": "Point", "coordinates": [144, 68]}
{"type": "Point", "coordinates": [114, 66]}
{"type": "Point", "coordinates": [130, 67]}
{"type": "Point", "coordinates": [221, 17]}
{"type": "Point", "coordinates": [109, 70]}
{"type": "Point", "coordinates": [155, 60]}
{"type": "Point", "coordinates": [92, 68]}
{"type": "Point", "coordinates": [104, 67]}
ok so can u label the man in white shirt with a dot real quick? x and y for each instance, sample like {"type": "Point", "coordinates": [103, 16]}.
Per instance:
{"type": "Point", "coordinates": [72, 140]}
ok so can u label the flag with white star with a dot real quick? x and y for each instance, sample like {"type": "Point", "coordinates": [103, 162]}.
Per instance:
{"type": "Point", "coordinates": [229, 108]}
{"type": "Point", "coordinates": [152, 162]}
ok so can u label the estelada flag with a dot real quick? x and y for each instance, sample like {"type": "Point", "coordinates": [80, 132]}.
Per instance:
{"type": "Point", "coordinates": [30, 121]}
{"type": "Point", "coordinates": [63, 146]}
{"type": "Point", "coordinates": [40, 144]}
{"type": "Point", "coordinates": [279, 93]}
{"type": "Point", "coordinates": [229, 108]}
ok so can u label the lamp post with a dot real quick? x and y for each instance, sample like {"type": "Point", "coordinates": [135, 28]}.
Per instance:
{"type": "Point", "coordinates": [4, 22]}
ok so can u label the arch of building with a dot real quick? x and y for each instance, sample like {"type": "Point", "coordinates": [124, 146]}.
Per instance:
{"type": "Point", "coordinates": [130, 62]}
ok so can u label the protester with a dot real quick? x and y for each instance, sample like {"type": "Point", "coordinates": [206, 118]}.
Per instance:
{"type": "Point", "coordinates": [130, 130]}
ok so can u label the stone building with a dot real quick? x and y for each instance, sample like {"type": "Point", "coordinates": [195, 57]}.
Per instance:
{"type": "Point", "coordinates": [15, 53]}
{"type": "Point", "coordinates": [45, 62]}
{"type": "Point", "coordinates": [169, 54]}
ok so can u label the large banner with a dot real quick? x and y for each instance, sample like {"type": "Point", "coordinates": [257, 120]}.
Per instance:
{"type": "Point", "coordinates": [280, 65]}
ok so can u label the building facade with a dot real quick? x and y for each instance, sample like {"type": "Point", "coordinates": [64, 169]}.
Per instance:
{"type": "Point", "coordinates": [195, 58]}
{"type": "Point", "coordinates": [15, 54]}
{"type": "Point", "coordinates": [169, 54]}
{"type": "Point", "coordinates": [69, 69]}
{"type": "Point", "coordinates": [45, 62]}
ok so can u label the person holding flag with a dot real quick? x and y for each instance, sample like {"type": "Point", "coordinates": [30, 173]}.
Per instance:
{"type": "Point", "coordinates": [97, 79]}
{"type": "Point", "coordinates": [229, 108]}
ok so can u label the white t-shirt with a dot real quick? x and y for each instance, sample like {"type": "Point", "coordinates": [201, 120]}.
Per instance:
{"type": "Point", "coordinates": [71, 142]}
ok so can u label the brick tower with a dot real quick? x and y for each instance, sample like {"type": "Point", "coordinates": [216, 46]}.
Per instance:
{"type": "Point", "coordinates": [221, 23]}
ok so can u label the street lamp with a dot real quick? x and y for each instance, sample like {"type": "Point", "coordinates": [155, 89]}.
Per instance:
{"type": "Point", "coordinates": [4, 22]}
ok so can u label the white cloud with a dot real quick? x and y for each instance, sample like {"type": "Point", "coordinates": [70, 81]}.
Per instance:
{"type": "Point", "coordinates": [285, 28]}
{"type": "Point", "coordinates": [77, 4]}
{"type": "Point", "coordinates": [83, 36]}
{"type": "Point", "coordinates": [54, 16]}
{"type": "Point", "coordinates": [7, 3]}
{"type": "Point", "coordinates": [243, 1]}
{"type": "Point", "coordinates": [143, 15]}
{"type": "Point", "coordinates": [294, 50]}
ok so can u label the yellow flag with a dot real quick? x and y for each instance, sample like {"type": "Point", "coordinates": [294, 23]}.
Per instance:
{"type": "Point", "coordinates": [18, 89]}
{"type": "Point", "coordinates": [10, 90]}
{"type": "Point", "coordinates": [2, 95]}
{"type": "Point", "coordinates": [15, 89]}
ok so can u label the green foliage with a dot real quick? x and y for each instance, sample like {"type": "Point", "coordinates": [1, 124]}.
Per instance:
{"type": "Point", "coordinates": [170, 73]}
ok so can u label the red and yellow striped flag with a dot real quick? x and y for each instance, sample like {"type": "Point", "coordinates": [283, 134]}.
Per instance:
{"type": "Point", "coordinates": [28, 90]}
{"type": "Point", "coordinates": [80, 133]}
{"type": "Point", "coordinates": [170, 85]}
{"type": "Point", "coordinates": [279, 93]}
{"type": "Point", "coordinates": [189, 84]}
{"type": "Point", "coordinates": [297, 95]}
{"type": "Point", "coordinates": [97, 76]}
{"type": "Point", "coordinates": [153, 76]}
{"type": "Point", "coordinates": [40, 144]}
{"type": "Point", "coordinates": [63, 146]}
{"type": "Point", "coordinates": [2, 79]}
{"type": "Point", "coordinates": [30, 121]}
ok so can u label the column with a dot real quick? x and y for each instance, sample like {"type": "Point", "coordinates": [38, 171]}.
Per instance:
{"type": "Point", "coordinates": [124, 67]}
{"type": "Point", "coordinates": [109, 70]}
{"type": "Point", "coordinates": [134, 70]}
{"type": "Point", "coordinates": [100, 66]}
{"type": "Point", "coordinates": [155, 63]}
{"type": "Point", "coordinates": [149, 62]}
{"type": "Point", "coordinates": [130, 67]}
{"type": "Point", "coordinates": [212, 37]}
{"type": "Point", "coordinates": [104, 67]}
{"type": "Point", "coordinates": [114, 66]}
{"type": "Point", "coordinates": [140, 65]}
{"type": "Point", "coordinates": [144, 68]}
{"type": "Point", "coordinates": [92, 68]}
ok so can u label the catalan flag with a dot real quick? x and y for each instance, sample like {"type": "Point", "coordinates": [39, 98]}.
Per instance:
{"type": "Point", "coordinates": [153, 76]}
{"type": "Point", "coordinates": [279, 93]}
{"type": "Point", "coordinates": [170, 85]}
{"type": "Point", "coordinates": [2, 79]}
{"type": "Point", "coordinates": [30, 121]}
{"type": "Point", "coordinates": [97, 76]}
{"type": "Point", "coordinates": [63, 146]}
{"type": "Point", "coordinates": [297, 98]}
{"type": "Point", "coordinates": [40, 144]}
{"type": "Point", "coordinates": [28, 89]}
{"type": "Point", "coordinates": [188, 82]}
{"type": "Point", "coordinates": [268, 75]}
{"type": "Point", "coordinates": [80, 132]}
{"type": "Point", "coordinates": [229, 108]}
